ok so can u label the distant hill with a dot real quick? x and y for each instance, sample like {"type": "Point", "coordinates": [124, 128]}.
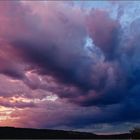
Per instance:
{"type": "Point", "coordinates": [27, 133]}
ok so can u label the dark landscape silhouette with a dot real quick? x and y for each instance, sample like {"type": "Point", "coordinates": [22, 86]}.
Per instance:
{"type": "Point", "coordinates": [28, 133]}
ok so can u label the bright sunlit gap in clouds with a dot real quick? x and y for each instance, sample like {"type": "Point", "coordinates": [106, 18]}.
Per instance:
{"type": "Point", "coordinates": [4, 113]}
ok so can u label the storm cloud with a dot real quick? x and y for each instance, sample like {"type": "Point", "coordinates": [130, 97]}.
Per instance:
{"type": "Point", "coordinates": [45, 48]}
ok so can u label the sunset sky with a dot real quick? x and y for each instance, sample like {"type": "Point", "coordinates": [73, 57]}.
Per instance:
{"type": "Point", "coordinates": [71, 65]}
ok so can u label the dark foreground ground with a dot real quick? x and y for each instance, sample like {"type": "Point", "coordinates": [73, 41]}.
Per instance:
{"type": "Point", "coordinates": [24, 133]}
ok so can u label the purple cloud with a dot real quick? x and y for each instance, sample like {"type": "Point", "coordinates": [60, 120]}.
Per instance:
{"type": "Point", "coordinates": [43, 53]}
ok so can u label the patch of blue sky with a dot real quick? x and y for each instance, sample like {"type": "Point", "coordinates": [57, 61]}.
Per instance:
{"type": "Point", "coordinates": [92, 4]}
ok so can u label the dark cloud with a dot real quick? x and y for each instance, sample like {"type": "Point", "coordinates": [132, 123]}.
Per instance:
{"type": "Point", "coordinates": [46, 51]}
{"type": "Point", "coordinates": [60, 52]}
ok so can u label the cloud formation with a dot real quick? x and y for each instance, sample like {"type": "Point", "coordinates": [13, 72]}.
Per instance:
{"type": "Point", "coordinates": [44, 51]}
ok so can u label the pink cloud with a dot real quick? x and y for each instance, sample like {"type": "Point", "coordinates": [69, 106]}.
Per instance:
{"type": "Point", "coordinates": [103, 30]}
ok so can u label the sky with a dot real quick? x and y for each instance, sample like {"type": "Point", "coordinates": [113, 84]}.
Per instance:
{"type": "Point", "coordinates": [70, 65]}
